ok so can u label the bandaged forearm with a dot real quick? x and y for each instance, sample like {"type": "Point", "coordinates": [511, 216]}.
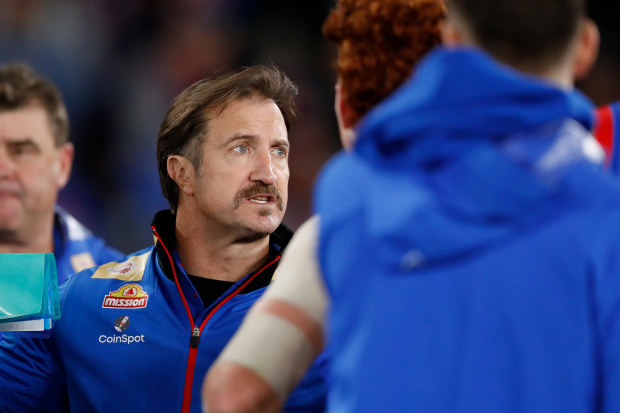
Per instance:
{"type": "Point", "coordinates": [283, 333]}
{"type": "Point", "coordinates": [273, 348]}
{"type": "Point", "coordinates": [298, 278]}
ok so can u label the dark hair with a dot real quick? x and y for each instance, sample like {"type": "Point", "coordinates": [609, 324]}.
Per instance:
{"type": "Point", "coordinates": [379, 42]}
{"type": "Point", "coordinates": [21, 86]}
{"type": "Point", "coordinates": [526, 34]}
{"type": "Point", "coordinates": [185, 125]}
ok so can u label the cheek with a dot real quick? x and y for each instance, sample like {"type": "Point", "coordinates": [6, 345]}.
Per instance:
{"type": "Point", "coordinates": [41, 186]}
{"type": "Point", "coordinates": [283, 183]}
{"type": "Point", "coordinates": [219, 182]}
{"type": "Point", "coordinates": [38, 174]}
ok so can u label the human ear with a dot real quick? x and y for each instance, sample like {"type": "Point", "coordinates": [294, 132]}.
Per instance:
{"type": "Point", "coordinates": [63, 164]}
{"type": "Point", "coordinates": [344, 114]}
{"type": "Point", "coordinates": [181, 170]}
{"type": "Point", "coordinates": [587, 49]}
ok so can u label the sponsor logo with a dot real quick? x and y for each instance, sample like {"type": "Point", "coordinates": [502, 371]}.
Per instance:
{"type": "Point", "coordinates": [122, 323]}
{"type": "Point", "coordinates": [123, 339]}
{"type": "Point", "coordinates": [131, 270]}
{"type": "Point", "coordinates": [129, 296]}
{"type": "Point", "coordinates": [123, 268]}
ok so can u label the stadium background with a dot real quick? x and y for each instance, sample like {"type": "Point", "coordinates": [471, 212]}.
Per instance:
{"type": "Point", "coordinates": [120, 62]}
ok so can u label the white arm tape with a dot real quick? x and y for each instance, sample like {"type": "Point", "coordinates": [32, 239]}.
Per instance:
{"type": "Point", "coordinates": [299, 279]}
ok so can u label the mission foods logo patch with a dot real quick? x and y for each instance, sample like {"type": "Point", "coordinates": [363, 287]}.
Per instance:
{"type": "Point", "coordinates": [128, 296]}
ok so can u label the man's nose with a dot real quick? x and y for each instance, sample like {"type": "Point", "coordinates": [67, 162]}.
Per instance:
{"type": "Point", "coordinates": [264, 170]}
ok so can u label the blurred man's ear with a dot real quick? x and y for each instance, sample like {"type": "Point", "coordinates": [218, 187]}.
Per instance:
{"type": "Point", "coordinates": [181, 170]}
{"type": "Point", "coordinates": [64, 162]}
{"type": "Point", "coordinates": [344, 114]}
{"type": "Point", "coordinates": [587, 49]}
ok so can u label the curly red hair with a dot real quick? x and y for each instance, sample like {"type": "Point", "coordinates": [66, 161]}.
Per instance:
{"type": "Point", "coordinates": [379, 42]}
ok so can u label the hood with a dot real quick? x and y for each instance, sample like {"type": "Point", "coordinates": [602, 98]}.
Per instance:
{"type": "Point", "coordinates": [468, 152]}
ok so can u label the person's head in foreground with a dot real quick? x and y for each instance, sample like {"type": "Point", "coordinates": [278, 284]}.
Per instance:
{"type": "Point", "coordinates": [552, 39]}
{"type": "Point", "coordinates": [379, 42]}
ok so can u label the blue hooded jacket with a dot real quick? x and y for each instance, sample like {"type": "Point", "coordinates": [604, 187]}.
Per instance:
{"type": "Point", "coordinates": [470, 246]}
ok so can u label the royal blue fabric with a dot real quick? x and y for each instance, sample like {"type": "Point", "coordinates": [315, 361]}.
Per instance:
{"type": "Point", "coordinates": [469, 245]}
{"type": "Point", "coordinates": [91, 364]}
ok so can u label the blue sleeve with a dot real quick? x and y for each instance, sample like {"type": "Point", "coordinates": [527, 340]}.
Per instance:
{"type": "Point", "coordinates": [32, 378]}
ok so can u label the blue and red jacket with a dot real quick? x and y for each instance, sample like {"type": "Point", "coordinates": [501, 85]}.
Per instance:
{"type": "Point", "coordinates": [135, 337]}
{"type": "Point", "coordinates": [607, 133]}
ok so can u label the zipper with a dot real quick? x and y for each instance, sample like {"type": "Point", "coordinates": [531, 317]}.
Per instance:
{"type": "Point", "coordinates": [195, 334]}
{"type": "Point", "coordinates": [195, 338]}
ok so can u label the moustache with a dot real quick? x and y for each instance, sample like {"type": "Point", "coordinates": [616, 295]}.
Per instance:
{"type": "Point", "coordinates": [258, 189]}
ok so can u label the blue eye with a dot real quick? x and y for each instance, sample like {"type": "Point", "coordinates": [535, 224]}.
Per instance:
{"type": "Point", "coordinates": [241, 149]}
{"type": "Point", "coordinates": [280, 152]}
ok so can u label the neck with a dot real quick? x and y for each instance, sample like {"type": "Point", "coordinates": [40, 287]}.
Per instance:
{"type": "Point", "coordinates": [558, 71]}
{"type": "Point", "coordinates": [560, 76]}
{"type": "Point", "coordinates": [205, 254]}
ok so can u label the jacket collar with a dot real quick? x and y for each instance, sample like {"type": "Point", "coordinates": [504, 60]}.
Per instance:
{"type": "Point", "coordinates": [163, 226]}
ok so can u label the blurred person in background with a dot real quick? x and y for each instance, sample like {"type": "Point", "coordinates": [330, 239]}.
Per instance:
{"type": "Point", "coordinates": [35, 164]}
{"type": "Point", "coordinates": [150, 326]}
{"type": "Point", "coordinates": [379, 43]}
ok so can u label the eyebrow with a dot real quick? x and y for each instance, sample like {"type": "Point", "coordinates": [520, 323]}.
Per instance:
{"type": "Point", "coordinates": [282, 142]}
{"type": "Point", "coordinates": [245, 136]}
{"type": "Point", "coordinates": [22, 142]}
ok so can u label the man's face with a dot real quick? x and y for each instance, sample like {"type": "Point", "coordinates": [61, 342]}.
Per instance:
{"type": "Point", "coordinates": [242, 182]}
{"type": "Point", "coordinates": [32, 171]}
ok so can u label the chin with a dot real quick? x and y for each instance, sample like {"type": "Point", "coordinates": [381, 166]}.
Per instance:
{"type": "Point", "coordinates": [9, 220]}
{"type": "Point", "coordinates": [266, 224]}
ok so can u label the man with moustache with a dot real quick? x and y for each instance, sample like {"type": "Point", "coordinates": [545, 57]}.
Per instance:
{"type": "Point", "coordinates": [223, 164]}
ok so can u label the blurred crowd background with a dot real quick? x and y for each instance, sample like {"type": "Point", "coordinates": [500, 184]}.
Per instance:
{"type": "Point", "coordinates": [119, 63]}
